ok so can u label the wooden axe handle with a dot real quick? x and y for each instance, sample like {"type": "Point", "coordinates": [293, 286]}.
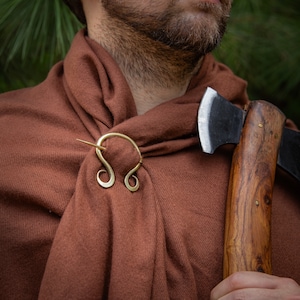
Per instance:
{"type": "Point", "coordinates": [247, 244]}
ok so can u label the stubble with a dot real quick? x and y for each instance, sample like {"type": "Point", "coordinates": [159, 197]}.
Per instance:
{"type": "Point", "coordinates": [161, 48]}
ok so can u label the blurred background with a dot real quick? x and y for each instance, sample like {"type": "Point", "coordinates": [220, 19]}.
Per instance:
{"type": "Point", "coordinates": [262, 45]}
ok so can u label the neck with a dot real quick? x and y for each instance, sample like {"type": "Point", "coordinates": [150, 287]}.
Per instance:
{"type": "Point", "coordinates": [155, 72]}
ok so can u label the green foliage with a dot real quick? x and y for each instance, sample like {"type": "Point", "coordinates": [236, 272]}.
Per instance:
{"type": "Point", "coordinates": [261, 45]}
{"type": "Point", "coordinates": [34, 35]}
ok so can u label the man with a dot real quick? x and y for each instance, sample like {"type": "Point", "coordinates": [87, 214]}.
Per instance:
{"type": "Point", "coordinates": [75, 222]}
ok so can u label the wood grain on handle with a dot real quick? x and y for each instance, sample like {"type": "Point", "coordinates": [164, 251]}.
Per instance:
{"type": "Point", "coordinates": [247, 244]}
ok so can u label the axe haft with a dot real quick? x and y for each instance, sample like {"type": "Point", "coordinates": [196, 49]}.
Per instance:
{"type": "Point", "coordinates": [247, 244]}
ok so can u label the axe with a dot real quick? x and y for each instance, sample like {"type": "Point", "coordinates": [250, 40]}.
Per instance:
{"type": "Point", "coordinates": [262, 144]}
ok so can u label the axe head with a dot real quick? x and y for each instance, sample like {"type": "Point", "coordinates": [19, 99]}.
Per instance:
{"type": "Point", "coordinates": [219, 121]}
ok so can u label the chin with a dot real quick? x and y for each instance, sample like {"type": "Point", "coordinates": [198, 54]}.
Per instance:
{"type": "Point", "coordinates": [200, 34]}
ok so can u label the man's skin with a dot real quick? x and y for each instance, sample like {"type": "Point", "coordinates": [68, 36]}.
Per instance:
{"type": "Point", "coordinates": [159, 45]}
{"type": "Point", "coordinates": [131, 29]}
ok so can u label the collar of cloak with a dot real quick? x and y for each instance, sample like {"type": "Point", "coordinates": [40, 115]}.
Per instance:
{"type": "Point", "coordinates": [96, 87]}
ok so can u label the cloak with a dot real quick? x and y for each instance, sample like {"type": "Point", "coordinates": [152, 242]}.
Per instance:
{"type": "Point", "coordinates": [63, 236]}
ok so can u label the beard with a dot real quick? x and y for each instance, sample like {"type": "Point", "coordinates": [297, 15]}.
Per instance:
{"type": "Point", "coordinates": [199, 32]}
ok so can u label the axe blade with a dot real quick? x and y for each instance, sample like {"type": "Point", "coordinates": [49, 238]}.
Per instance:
{"type": "Point", "coordinates": [214, 125]}
{"type": "Point", "coordinates": [220, 122]}
{"type": "Point", "coordinates": [289, 152]}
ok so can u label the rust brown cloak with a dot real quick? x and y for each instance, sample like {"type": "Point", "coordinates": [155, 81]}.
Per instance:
{"type": "Point", "coordinates": [62, 236]}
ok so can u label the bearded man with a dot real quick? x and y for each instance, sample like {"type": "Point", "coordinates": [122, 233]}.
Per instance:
{"type": "Point", "coordinates": [76, 223]}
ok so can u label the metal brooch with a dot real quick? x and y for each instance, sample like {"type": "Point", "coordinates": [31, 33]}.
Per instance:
{"type": "Point", "coordinates": [107, 167]}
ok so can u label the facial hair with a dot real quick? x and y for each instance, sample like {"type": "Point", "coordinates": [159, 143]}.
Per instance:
{"type": "Point", "coordinates": [197, 34]}
{"type": "Point", "coordinates": [160, 49]}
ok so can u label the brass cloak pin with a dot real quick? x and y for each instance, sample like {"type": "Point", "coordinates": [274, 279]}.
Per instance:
{"type": "Point", "coordinates": [107, 167]}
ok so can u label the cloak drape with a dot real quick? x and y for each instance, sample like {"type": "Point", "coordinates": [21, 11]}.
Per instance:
{"type": "Point", "coordinates": [63, 236]}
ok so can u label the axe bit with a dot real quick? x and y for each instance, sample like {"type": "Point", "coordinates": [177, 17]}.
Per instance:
{"type": "Point", "coordinates": [220, 122]}
{"type": "Point", "coordinates": [262, 143]}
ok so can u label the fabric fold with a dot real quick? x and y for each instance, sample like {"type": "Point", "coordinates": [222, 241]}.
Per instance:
{"type": "Point", "coordinates": [164, 241]}
{"type": "Point", "coordinates": [101, 229]}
